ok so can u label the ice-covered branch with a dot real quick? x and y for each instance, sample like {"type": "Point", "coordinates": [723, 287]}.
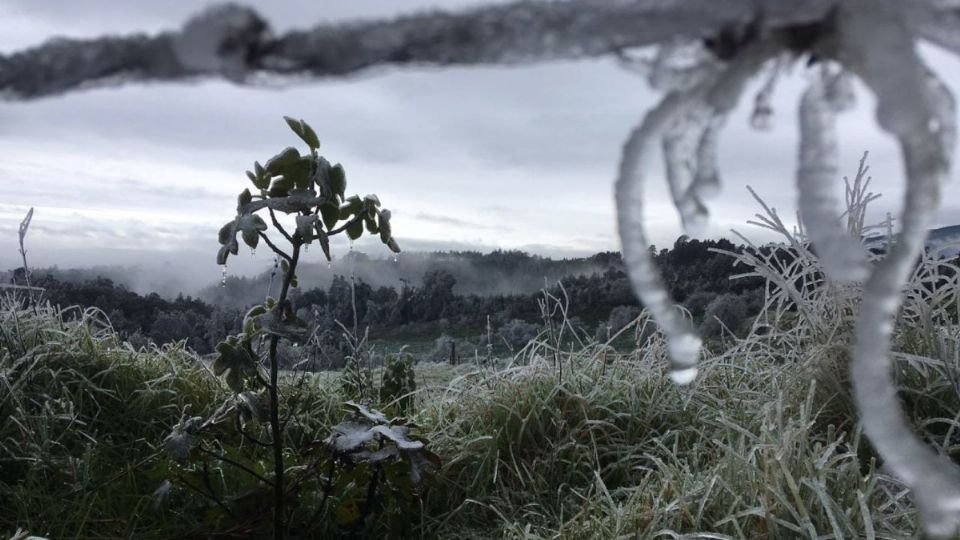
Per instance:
{"type": "Point", "coordinates": [638, 154]}
{"type": "Point", "coordinates": [687, 122]}
{"type": "Point", "coordinates": [842, 256]}
{"type": "Point", "coordinates": [235, 42]}
{"type": "Point", "coordinates": [918, 110]}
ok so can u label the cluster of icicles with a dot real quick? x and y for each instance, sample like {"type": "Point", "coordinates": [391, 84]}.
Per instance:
{"type": "Point", "coordinates": [912, 105]}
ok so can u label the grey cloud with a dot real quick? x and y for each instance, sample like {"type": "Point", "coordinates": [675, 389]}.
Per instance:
{"type": "Point", "coordinates": [457, 222]}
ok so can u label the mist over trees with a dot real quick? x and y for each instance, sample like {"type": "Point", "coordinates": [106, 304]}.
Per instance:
{"type": "Point", "coordinates": [455, 293]}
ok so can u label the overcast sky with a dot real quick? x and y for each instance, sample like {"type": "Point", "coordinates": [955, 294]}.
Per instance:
{"type": "Point", "coordinates": [479, 157]}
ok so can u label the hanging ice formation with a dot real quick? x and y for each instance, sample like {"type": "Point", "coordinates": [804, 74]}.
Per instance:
{"type": "Point", "coordinates": [871, 40]}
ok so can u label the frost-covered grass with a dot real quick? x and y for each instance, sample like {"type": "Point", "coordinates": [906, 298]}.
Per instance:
{"type": "Point", "coordinates": [758, 446]}
{"type": "Point", "coordinates": [574, 443]}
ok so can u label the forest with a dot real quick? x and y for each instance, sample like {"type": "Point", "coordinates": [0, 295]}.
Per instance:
{"type": "Point", "coordinates": [434, 309]}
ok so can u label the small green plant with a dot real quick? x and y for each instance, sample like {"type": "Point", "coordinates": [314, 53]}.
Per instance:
{"type": "Point", "coordinates": [312, 191]}
{"type": "Point", "coordinates": [379, 469]}
{"type": "Point", "coordinates": [399, 383]}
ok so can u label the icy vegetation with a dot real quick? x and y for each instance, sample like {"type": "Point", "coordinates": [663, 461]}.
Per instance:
{"type": "Point", "coordinates": [872, 40]}
{"type": "Point", "coordinates": [873, 43]}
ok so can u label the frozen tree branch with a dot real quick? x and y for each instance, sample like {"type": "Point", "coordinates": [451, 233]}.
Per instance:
{"type": "Point", "coordinates": [843, 256]}
{"type": "Point", "coordinates": [235, 42]}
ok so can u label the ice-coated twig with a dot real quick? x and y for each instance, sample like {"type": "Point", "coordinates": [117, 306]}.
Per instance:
{"type": "Point", "coordinates": [682, 343]}
{"type": "Point", "coordinates": [876, 45]}
{"type": "Point", "coordinates": [688, 122]}
{"type": "Point", "coordinates": [690, 141]}
{"type": "Point", "coordinates": [842, 256]}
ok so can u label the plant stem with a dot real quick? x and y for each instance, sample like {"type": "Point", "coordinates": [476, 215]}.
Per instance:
{"type": "Point", "coordinates": [279, 525]}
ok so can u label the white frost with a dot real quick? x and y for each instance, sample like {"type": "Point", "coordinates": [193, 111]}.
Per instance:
{"type": "Point", "coordinates": [876, 45]}
{"type": "Point", "coordinates": [842, 256]}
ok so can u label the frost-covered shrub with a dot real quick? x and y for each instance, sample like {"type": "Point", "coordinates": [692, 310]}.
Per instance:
{"type": "Point", "coordinates": [725, 311]}
{"type": "Point", "coordinates": [398, 383]}
{"type": "Point", "coordinates": [619, 317]}
{"type": "Point", "coordinates": [443, 348]}
{"type": "Point", "coordinates": [517, 333]}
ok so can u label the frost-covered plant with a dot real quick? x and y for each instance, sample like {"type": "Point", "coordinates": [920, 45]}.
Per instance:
{"type": "Point", "coordinates": [873, 41]}
{"type": "Point", "coordinates": [22, 235]}
{"type": "Point", "coordinates": [398, 383]}
{"type": "Point", "coordinates": [376, 466]}
{"type": "Point", "coordinates": [312, 191]}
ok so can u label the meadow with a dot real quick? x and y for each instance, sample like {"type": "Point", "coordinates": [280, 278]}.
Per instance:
{"type": "Point", "coordinates": [568, 438]}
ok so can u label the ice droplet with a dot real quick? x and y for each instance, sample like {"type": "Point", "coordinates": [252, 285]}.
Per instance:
{"type": "Point", "coordinates": [762, 118]}
{"type": "Point", "coordinates": [223, 275]}
{"type": "Point", "coordinates": [396, 259]}
{"type": "Point", "coordinates": [329, 265]}
{"type": "Point", "coordinates": [683, 376]}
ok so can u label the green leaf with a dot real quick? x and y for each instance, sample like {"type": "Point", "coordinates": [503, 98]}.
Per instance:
{"type": "Point", "coordinates": [222, 255]}
{"type": "Point", "coordinates": [243, 199]}
{"type": "Point", "coordinates": [254, 404]}
{"type": "Point", "coordinates": [392, 244]}
{"type": "Point", "coordinates": [324, 242]}
{"type": "Point", "coordinates": [385, 230]}
{"type": "Point", "coordinates": [287, 156]}
{"type": "Point", "coordinates": [250, 226]}
{"type": "Point", "coordinates": [305, 226]}
{"type": "Point", "coordinates": [291, 328]}
{"type": "Point", "coordinates": [371, 224]}
{"type": "Point", "coordinates": [234, 380]}
{"type": "Point", "coordinates": [228, 230]}
{"type": "Point", "coordinates": [330, 213]}
{"type": "Point", "coordinates": [304, 131]}
{"type": "Point", "coordinates": [250, 323]}
{"type": "Point", "coordinates": [355, 229]}
{"type": "Point", "coordinates": [294, 201]}
{"type": "Point", "coordinates": [350, 436]}
{"type": "Point", "coordinates": [299, 171]}
{"type": "Point", "coordinates": [281, 186]}
{"type": "Point", "coordinates": [372, 199]}
{"type": "Point", "coordinates": [284, 266]}
{"type": "Point", "coordinates": [338, 180]}
{"type": "Point", "coordinates": [258, 169]}
{"type": "Point", "coordinates": [351, 207]}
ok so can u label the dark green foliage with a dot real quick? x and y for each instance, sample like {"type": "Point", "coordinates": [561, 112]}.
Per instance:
{"type": "Point", "coordinates": [399, 383]}
{"type": "Point", "coordinates": [355, 378]}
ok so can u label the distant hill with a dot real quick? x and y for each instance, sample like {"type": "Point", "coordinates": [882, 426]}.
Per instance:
{"type": "Point", "coordinates": [946, 240]}
{"type": "Point", "coordinates": [500, 272]}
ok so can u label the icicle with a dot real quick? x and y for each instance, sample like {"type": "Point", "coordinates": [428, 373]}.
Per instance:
{"type": "Point", "coordinates": [678, 152]}
{"type": "Point", "coordinates": [842, 256]}
{"type": "Point", "coordinates": [762, 116]}
{"type": "Point", "coordinates": [223, 275]}
{"type": "Point", "coordinates": [253, 252]}
{"type": "Point", "coordinates": [875, 44]}
{"type": "Point", "coordinates": [683, 344]}
{"type": "Point", "coordinates": [697, 112]}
